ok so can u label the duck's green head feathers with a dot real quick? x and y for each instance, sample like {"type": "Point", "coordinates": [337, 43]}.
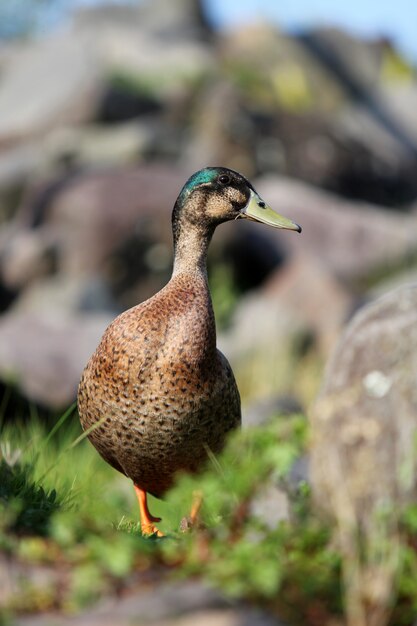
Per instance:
{"type": "Point", "coordinates": [217, 194]}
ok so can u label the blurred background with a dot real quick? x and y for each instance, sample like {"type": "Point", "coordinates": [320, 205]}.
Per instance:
{"type": "Point", "coordinates": [107, 108]}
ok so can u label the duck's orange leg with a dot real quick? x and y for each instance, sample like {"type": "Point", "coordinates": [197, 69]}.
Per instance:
{"type": "Point", "coordinates": [192, 519]}
{"type": "Point", "coordinates": [196, 506]}
{"type": "Point", "coordinates": [146, 519]}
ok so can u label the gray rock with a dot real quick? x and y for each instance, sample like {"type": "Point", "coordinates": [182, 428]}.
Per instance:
{"type": "Point", "coordinates": [17, 164]}
{"type": "Point", "coordinates": [308, 288]}
{"type": "Point", "coordinates": [115, 145]}
{"type": "Point", "coordinates": [47, 82]}
{"type": "Point", "coordinates": [271, 505]}
{"type": "Point", "coordinates": [45, 354]}
{"type": "Point", "coordinates": [176, 604]}
{"type": "Point", "coordinates": [263, 345]}
{"type": "Point", "coordinates": [366, 413]}
{"type": "Point", "coordinates": [24, 256]}
{"type": "Point", "coordinates": [363, 57]}
{"type": "Point", "coordinates": [352, 240]}
{"type": "Point", "coordinates": [87, 222]}
{"type": "Point", "coordinates": [162, 51]}
{"type": "Point", "coordinates": [299, 473]}
{"type": "Point", "coordinates": [221, 130]}
{"type": "Point", "coordinates": [301, 306]}
{"type": "Point", "coordinates": [363, 459]}
{"type": "Point", "coordinates": [397, 101]}
{"type": "Point", "coordinates": [262, 411]}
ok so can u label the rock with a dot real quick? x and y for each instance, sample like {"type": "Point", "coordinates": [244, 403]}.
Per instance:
{"type": "Point", "coordinates": [363, 460]}
{"type": "Point", "coordinates": [64, 295]}
{"type": "Point", "coordinates": [47, 82]}
{"type": "Point", "coordinates": [300, 307]}
{"type": "Point", "coordinates": [17, 164]}
{"type": "Point", "coordinates": [98, 147]}
{"type": "Point", "coordinates": [363, 57]}
{"type": "Point", "coordinates": [352, 240]}
{"type": "Point", "coordinates": [295, 81]}
{"type": "Point", "coordinates": [299, 473]}
{"type": "Point", "coordinates": [367, 409]}
{"type": "Point", "coordinates": [404, 276]}
{"type": "Point", "coordinates": [379, 158]}
{"type": "Point", "coordinates": [264, 410]}
{"type": "Point", "coordinates": [400, 99]}
{"type": "Point", "coordinates": [175, 604]}
{"type": "Point", "coordinates": [184, 20]}
{"type": "Point", "coordinates": [44, 354]}
{"type": "Point", "coordinates": [161, 50]}
{"type": "Point", "coordinates": [271, 505]}
{"type": "Point", "coordinates": [26, 256]}
{"type": "Point", "coordinates": [308, 288]}
{"type": "Point", "coordinates": [263, 346]}
{"type": "Point", "coordinates": [58, 80]}
{"type": "Point", "coordinates": [15, 575]}
{"type": "Point", "coordinates": [316, 108]}
{"type": "Point", "coordinates": [96, 224]}
{"type": "Point", "coordinates": [222, 131]}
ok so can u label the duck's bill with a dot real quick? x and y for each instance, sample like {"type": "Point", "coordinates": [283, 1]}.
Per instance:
{"type": "Point", "coordinates": [259, 211]}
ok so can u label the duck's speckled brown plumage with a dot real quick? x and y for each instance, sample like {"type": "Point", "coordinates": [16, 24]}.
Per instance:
{"type": "Point", "coordinates": [157, 394]}
{"type": "Point", "coordinates": [163, 391]}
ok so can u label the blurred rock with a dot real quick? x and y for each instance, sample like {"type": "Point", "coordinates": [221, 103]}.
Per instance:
{"type": "Point", "coordinates": [176, 604]}
{"type": "Point", "coordinates": [321, 107]}
{"type": "Point", "coordinates": [382, 136]}
{"type": "Point", "coordinates": [25, 256]}
{"type": "Point", "coordinates": [332, 45]}
{"type": "Point", "coordinates": [45, 354]}
{"type": "Point", "coordinates": [85, 219]}
{"type": "Point", "coordinates": [366, 413]}
{"type": "Point", "coordinates": [271, 505]}
{"type": "Point", "coordinates": [352, 240]}
{"type": "Point", "coordinates": [160, 46]}
{"type": "Point", "coordinates": [264, 410]}
{"type": "Point", "coordinates": [300, 308]}
{"type": "Point", "coordinates": [404, 276]}
{"type": "Point", "coordinates": [186, 19]}
{"type": "Point", "coordinates": [263, 345]}
{"type": "Point", "coordinates": [299, 473]}
{"type": "Point", "coordinates": [308, 288]}
{"type": "Point", "coordinates": [98, 146]}
{"type": "Point", "coordinates": [59, 79]}
{"type": "Point", "coordinates": [222, 131]}
{"type": "Point", "coordinates": [263, 55]}
{"type": "Point", "coordinates": [363, 460]}
{"type": "Point", "coordinates": [48, 82]}
{"type": "Point", "coordinates": [15, 167]}
{"type": "Point", "coordinates": [65, 295]}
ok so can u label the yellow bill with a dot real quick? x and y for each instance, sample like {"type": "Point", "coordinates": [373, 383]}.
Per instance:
{"type": "Point", "coordinates": [259, 211]}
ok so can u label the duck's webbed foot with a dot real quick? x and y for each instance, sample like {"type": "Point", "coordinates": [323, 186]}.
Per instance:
{"type": "Point", "coordinates": [192, 520]}
{"type": "Point", "coordinates": [146, 519]}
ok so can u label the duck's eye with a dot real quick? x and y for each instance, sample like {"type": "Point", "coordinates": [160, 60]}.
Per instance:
{"type": "Point", "coordinates": [224, 179]}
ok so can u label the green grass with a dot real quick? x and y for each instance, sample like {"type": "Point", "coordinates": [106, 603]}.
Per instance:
{"type": "Point", "coordinates": [63, 509]}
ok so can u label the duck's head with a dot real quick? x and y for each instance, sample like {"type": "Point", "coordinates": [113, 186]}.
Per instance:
{"type": "Point", "coordinates": [217, 194]}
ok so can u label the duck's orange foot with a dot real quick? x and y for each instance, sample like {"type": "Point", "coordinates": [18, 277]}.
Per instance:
{"type": "Point", "coordinates": [146, 519]}
{"type": "Point", "coordinates": [151, 529]}
{"type": "Point", "coordinates": [192, 520]}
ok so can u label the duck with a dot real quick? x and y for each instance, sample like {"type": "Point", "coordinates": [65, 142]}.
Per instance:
{"type": "Point", "coordinates": [157, 397]}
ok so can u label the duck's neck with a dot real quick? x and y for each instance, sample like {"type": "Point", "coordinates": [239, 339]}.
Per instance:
{"type": "Point", "coordinates": [189, 276]}
{"type": "Point", "coordinates": [191, 242]}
